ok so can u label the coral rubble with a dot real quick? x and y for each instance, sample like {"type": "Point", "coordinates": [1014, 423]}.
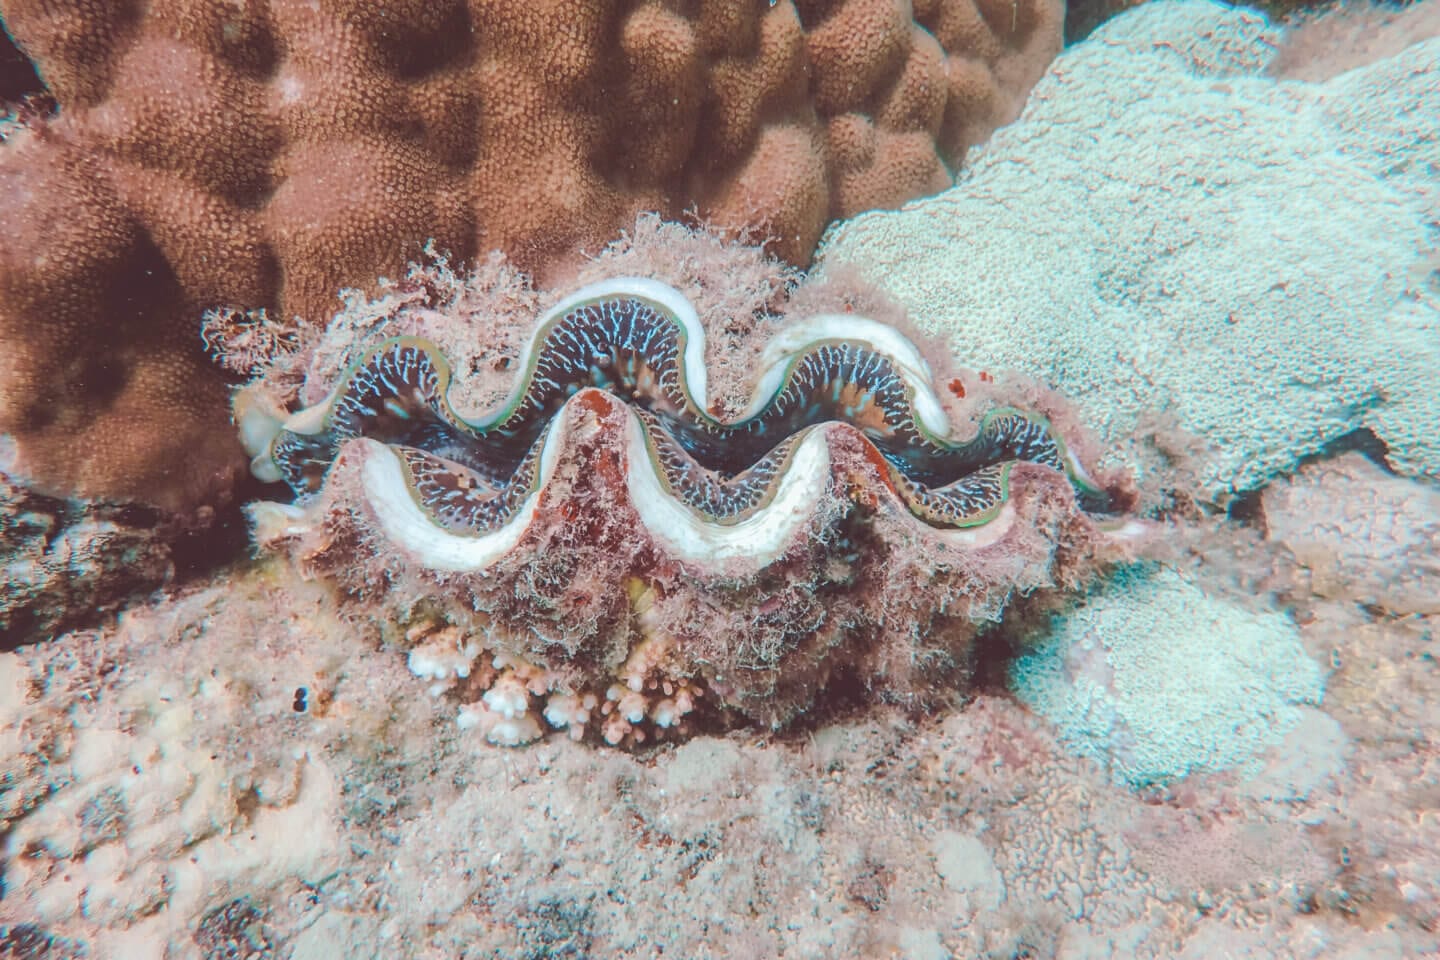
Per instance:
{"type": "Point", "coordinates": [268, 154]}
{"type": "Point", "coordinates": [599, 548]}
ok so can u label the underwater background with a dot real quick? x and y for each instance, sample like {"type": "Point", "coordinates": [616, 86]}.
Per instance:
{"type": "Point", "coordinates": [790, 478]}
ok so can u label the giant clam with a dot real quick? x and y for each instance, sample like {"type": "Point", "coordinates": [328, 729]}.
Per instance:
{"type": "Point", "coordinates": [602, 524]}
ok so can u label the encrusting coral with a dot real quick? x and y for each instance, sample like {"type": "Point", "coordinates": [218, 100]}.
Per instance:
{"type": "Point", "coordinates": [268, 154]}
{"type": "Point", "coordinates": [1225, 682]}
{"type": "Point", "coordinates": [600, 546]}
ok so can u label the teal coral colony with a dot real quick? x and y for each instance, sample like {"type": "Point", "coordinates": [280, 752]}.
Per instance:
{"type": "Point", "coordinates": [602, 546]}
{"type": "Point", "coordinates": [639, 343]}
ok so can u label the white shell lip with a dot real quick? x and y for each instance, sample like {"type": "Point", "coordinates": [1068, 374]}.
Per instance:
{"type": "Point", "coordinates": [271, 521]}
{"type": "Point", "coordinates": [759, 539]}
{"type": "Point", "coordinates": [259, 421]}
{"type": "Point", "coordinates": [985, 534]}
{"type": "Point", "coordinates": [386, 486]}
{"type": "Point", "coordinates": [782, 348]}
{"type": "Point", "coordinates": [311, 420]}
{"type": "Point", "coordinates": [686, 534]}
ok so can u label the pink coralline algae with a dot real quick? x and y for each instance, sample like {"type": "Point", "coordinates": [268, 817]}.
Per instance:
{"type": "Point", "coordinates": [618, 545]}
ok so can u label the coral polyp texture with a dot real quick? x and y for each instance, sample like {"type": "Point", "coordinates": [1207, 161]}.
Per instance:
{"type": "Point", "coordinates": [1197, 305]}
{"type": "Point", "coordinates": [600, 549]}
{"type": "Point", "coordinates": [266, 155]}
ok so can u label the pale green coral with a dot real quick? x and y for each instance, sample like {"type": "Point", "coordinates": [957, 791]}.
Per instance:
{"type": "Point", "coordinates": [1169, 230]}
{"type": "Point", "coordinates": [1156, 678]}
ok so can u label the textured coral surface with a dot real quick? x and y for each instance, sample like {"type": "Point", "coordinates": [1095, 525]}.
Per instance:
{"type": "Point", "coordinates": [1225, 682]}
{"type": "Point", "coordinates": [1356, 530]}
{"type": "Point", "coordinates": [269, 154]}
{"type": "Point", "coordinates": [1253, 255]}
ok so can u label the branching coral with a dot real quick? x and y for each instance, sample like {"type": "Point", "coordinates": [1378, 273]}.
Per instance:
{"type": "Point", "coordinates": [265, 155]}
{"type": "Point", "coordinates": [600, 551]}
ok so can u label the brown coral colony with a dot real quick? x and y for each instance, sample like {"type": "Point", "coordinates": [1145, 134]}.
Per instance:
{"type": "Point", "coordinates": [266, 155]}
